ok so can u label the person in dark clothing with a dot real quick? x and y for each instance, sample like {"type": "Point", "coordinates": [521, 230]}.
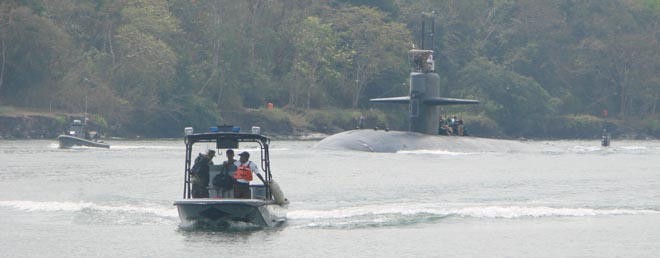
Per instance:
{"type": "Point", "coordinates": [225, 180]}
{"type": "Point", "coordinates": [200, 174]}
{"type": "Point", "coordinates": [461, 128]}
{"type": "Point", "coordinates": [443, 127]}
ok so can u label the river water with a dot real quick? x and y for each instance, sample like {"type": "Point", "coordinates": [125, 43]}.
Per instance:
{"type": "Point", "coordinates": [552, 199]}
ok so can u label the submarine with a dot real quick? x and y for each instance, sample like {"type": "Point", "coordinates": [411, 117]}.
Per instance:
{"type": "Point", "coordinates": [424, 116]}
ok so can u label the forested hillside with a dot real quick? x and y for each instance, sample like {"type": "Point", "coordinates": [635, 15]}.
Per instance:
{"type": "Point", "coordinates": [150, 67]}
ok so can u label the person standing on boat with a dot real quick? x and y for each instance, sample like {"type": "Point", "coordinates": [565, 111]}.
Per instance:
{"type": "Point", "coordinates": [225, 180]}
{"type": "Point", "coordinates": [243, 176]}
{"type": "Point", "coordinates": [200, 174]}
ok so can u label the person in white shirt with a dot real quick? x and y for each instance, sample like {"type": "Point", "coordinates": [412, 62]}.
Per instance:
{"type": "Point", "coordinates": [243, 175]}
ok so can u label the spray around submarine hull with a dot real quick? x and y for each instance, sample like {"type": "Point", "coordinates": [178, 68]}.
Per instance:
{"type": "Point", "coordinates": [394, 141]}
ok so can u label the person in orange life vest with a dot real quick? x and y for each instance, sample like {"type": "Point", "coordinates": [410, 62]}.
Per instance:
{"type": "Point", "coordinates": [243, 176]}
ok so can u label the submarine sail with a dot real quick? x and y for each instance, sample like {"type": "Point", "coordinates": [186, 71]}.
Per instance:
{"type": "Point", "coordinates": [424, 94]}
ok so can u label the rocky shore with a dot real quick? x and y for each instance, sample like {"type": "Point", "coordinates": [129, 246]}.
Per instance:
{"type": "Point", "coordinates": [50, 125]}
{"type": "Point", "coordinates": [31, 126]}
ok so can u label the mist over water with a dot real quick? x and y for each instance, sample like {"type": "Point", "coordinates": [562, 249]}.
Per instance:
{"type": "Point", "coordinates": [548, 199]}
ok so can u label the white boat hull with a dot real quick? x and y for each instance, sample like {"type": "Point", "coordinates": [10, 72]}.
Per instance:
{"type": "Point", "coordinates": [220, 212]}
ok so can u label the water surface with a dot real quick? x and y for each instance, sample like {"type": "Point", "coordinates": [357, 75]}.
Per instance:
{"type": "Point", "coordinates": [551, 199]}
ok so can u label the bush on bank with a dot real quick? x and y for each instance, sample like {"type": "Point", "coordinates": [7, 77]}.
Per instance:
{"type": "Point", "coordinates": [652, 126]}
{"type": "Point", "coordinates": [287, 122]}
{"type": "Point", "coordinates": [291, 121]}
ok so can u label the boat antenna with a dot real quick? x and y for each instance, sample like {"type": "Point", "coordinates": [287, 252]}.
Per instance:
{"type": "Point", "coordinates": [87, 82]}
{"type": "Point", "coordinates": [85, 115]}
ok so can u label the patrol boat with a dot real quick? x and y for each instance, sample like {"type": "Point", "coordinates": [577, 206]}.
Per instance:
{"type": "Point", "coordinates": [267, 205]}
{"type": "Point", "coordinates": [79, 136]}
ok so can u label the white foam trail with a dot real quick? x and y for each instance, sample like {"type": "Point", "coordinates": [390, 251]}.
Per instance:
{"type": "Point", "coordinates": [436, 152]}
{"type": "Point", "coordinates": [511, 212]}
{"type": "Point", "coordinates": [255, 150]}
{"type": "Point", "coordinates": [79, 206]}
{"type": "Point", "coordinates": [230, 226]}
{"type": "Point", "coordinates": [586, 148]}
{"type": "Point", "coordinates": [633, 148]}
{"type": "Point", "coordinates": [131, 147]}
{"type": "Point", "coordinates": [507, 212]}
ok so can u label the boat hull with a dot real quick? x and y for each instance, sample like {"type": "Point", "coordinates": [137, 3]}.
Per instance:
{"type": "Point", "coordinates": [70, 141]}
{"type": "Point", "coordinates": [221, 212]}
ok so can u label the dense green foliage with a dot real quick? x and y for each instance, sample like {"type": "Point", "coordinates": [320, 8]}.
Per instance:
{"type": "Point", "coordinates": [150, 67]}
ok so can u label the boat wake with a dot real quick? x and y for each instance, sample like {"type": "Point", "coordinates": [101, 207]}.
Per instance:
{"type": "Point", "coordinates": [367, 216]}
{"type": "Point", "coordinates": [92, 213]}
{"type": "Point", "coordinates": [585, 149]}
{"type": "Point", "coordinates": [634, 149]}
{"type": "Point", "coordinates": [405, 214]}
{"type": "Point", "coordinates": [228, 226]}
{"type": "Point", "coordinates": [140, 214]}
{"type": "Point", "coordinates": [145, 147]}
{"type": "Point", "coordinates": [438, 152]}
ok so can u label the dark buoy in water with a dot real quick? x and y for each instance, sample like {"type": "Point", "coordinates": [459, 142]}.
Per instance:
{"type": "Point", "coordinates": [605, 138]}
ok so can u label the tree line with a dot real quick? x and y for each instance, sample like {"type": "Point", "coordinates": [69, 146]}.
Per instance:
{"type": "Point", "coordinates": [158, 65]}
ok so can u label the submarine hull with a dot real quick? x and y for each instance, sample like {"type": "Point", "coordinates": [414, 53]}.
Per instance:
{"type": "Point", "coordinates": [394, 141]}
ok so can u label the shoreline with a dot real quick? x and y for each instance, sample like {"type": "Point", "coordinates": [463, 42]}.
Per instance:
{"type": "Point", "coordinates": [26, 124]}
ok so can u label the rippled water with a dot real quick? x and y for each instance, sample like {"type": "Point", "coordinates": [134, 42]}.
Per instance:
{"type": "Point", "coordinates": [550, 199]}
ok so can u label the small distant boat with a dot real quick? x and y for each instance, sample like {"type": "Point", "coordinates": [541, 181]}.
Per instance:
{"type": "Point", "coordinates": [267, 205]}
{"type": "Point", "coordinates": [78, 136]}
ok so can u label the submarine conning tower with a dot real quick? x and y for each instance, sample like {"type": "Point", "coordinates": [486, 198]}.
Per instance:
{"type": "Point", "coordinates": [424, 83]}
{"type": "Point", "coordinates": [424, 96]}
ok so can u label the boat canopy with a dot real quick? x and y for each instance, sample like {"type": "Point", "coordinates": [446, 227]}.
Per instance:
{"type": "Point", "coordinates": [227, 140]}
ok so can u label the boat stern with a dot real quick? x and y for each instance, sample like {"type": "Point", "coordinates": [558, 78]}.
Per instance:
{"type": "Point", "coordinates": [222, 212]}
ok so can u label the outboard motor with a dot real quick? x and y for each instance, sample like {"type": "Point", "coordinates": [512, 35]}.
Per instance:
{"type": "Point", "coordinates": [278, 195]}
